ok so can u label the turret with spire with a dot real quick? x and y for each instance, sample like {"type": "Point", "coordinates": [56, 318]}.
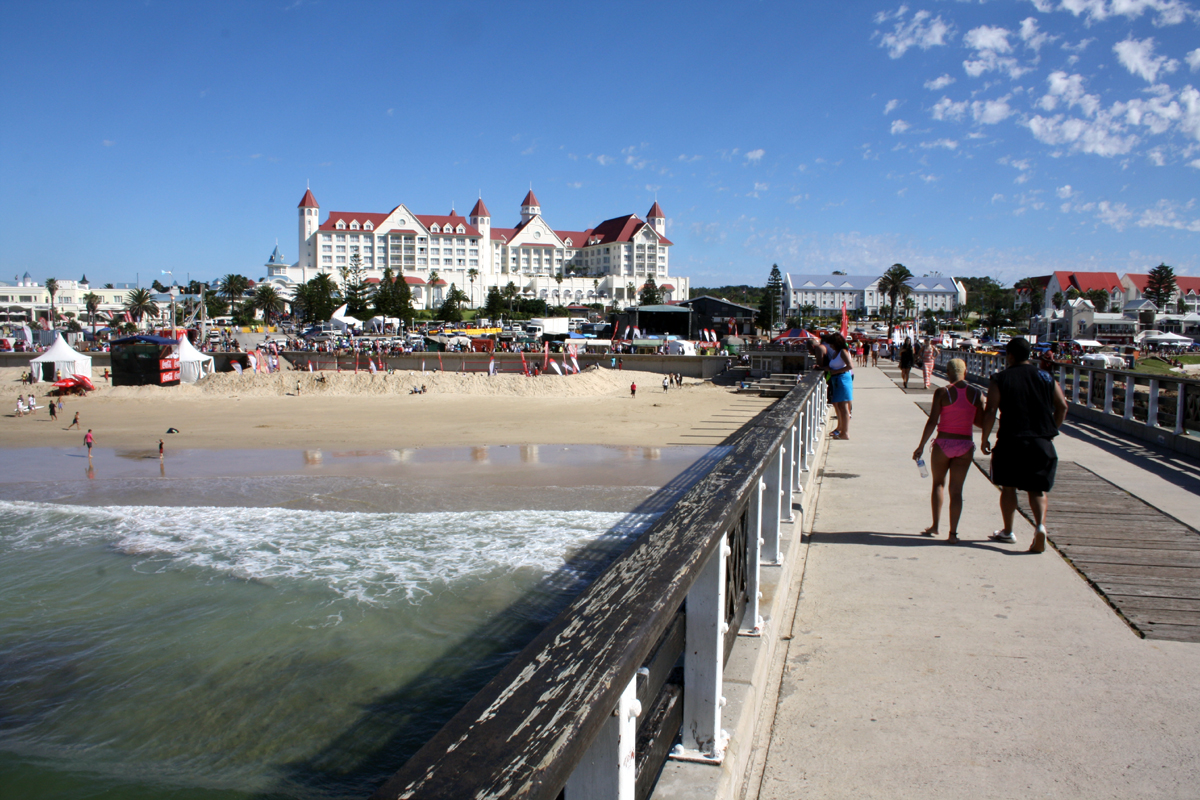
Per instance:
{"type": "Point", "coordinates": [657, 219]}
{"type": "Point", "coordinates": [530, 207]}
{"type": "Point", "coordinates": [310, 219]}
{"type": "Point", "coordinates": [481, 218]}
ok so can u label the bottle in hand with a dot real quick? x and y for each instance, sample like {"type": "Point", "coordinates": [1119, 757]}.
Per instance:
{"type": "Point", "coordinates": [922, 468]}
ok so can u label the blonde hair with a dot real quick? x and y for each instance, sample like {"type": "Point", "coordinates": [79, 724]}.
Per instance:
{"type": "Point", "coordinates": [956, 369]}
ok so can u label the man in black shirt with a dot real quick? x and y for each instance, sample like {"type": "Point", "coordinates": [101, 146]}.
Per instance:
{"type": "Point", "coordinates": [1032, 409]}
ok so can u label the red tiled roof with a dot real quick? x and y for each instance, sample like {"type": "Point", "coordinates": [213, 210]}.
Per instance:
{"type": "Point", "coordinates": [330, 223]}
{"type": "Point", "coordinates": [413, 280]}
{"type": "Point", "coordinates": [429, 220]}
{"type": "Point", "coordinates": [530, 200]}
{"type": "Point", "coordinates": [1186, 284]}
{"type": "Point", "coordinates": [1087, 281]}
{"type": "Point", "coordinates": [667, 287]}
{"type": "Point", "coordinates": [578, 238]}
{"type": "Point", "coordinates": [480, 210]}
{"type": "Point", "coordinates": [503, 234]}
{"type": "Point", "coordinates": [621, 229]}
{"type": "Point", "coordinates": [308, 201]}
{"type": "Point", "coordinates": [373, 280]}
{"type": "Point", "coordinates": [656, 212]}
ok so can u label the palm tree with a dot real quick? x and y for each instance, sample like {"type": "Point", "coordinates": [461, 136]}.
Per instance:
{"type": "Point", "coordinates": [509, 293]}
{"type": "Point", "coordinates": [472, 274]}
{"type": "Point", "coordinates": [630, 291]}
{"type": "Point", "coordinates": [233, 287]}
{"type": "Point", "coordinates": [91, 301]}
{"type": "Point", "coordinates": [267, 300]}
{"type": "Point", "coordinates": [909, 305]}
{"type": "Point", "coordinates": [138, 303]}
{"type": "Point", "coordinates": [807, 310]}
{"type": "Point", "coordinates": [433, 279]}
{"type": "Point", "coordinates": [894, 285]}
{"type": "Point", "coordinates": [52, 288]}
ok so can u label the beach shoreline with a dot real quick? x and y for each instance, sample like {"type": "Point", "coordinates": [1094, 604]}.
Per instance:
{"type": "Point", "coordinates": [364, 411]}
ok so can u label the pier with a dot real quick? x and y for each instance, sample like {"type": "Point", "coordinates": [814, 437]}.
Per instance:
{"type": "Point", "coordinates": [847, 655]}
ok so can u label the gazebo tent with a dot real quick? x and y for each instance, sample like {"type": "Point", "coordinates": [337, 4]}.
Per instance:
{"type": "Point", "coordinates": [60, 358]}
{"type": "Point", "coordinates": [193, 365]}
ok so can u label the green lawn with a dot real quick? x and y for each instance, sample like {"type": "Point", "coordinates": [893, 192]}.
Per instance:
{"type": "Point", "coordinates": [1155, 367]}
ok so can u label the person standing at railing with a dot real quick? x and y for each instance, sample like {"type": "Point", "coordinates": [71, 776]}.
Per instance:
{"type": "Point", "coordinates": [955, 409]}
{"type": "Point", "coordinates": [841, 382]}
{"type": "Point", "coordinates": [1032, 408]}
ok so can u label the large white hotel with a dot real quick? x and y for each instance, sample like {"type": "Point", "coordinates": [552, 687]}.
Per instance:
{"type": "Point", "coordinates": [609, 262]}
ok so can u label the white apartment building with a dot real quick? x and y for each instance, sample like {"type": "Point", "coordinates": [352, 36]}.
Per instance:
{"type": "Point", "coordinates": [25, 299]}
{"type": "Point", "coordinates": [861, 293]}
{"type": "Point", "coordinates": [611, 261]}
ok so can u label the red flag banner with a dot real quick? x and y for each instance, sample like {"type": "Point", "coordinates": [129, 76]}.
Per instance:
{"type": "Point", "coordinates": [845, 322]}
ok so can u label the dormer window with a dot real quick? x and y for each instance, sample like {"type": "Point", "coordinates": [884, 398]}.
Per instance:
{"type": "Point", "coordinates": [434, 228]}
{"type": "Point", "coordinates": [369, 227]}
{"type": "Point", "coordinates": [354, 225]}
{"type": "Point", "coordinates": [341, 226]}
{"type": "Point", "coordinates": [461, 229]}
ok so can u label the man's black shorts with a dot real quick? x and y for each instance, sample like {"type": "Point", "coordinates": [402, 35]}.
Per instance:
{"type": "Point", "coordinates": [1025, 464]}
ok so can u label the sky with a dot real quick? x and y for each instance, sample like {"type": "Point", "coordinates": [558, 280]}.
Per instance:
{"type": "Point", "coordinates": [1006, 138]}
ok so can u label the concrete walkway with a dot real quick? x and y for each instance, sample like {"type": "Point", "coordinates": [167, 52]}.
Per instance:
{"type": "Point", "coordinates": [917, 668]}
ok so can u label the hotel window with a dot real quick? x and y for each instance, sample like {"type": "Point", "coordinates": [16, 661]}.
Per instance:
{"type": "Point", "coordinates": [435, 251]}
{"type": "Point", "coordinates": [462, 262]}
{"type": "Point", "coordinates": [460, 252]}
{"type": "Point", "coordinates": [326, 259]}
{"type": "Point", "coordinates": [474, 251]}
{"type": "Point", "coordinates": [368, 248]}
{"type": "Point", "coordinates": [326, 248]}
{"type": "Point", "coordinates": [354, 237]}
{"type": "Point", "coordinates": [367, 261]}
{"type": "Point", "coordinates": [341, 248]}
{"type": "Point", "coordinates": [474, 262]}
{"type": "Point", "coordinates": [437, 262]}
{"type": "Point", "coordinates": [353, 248]}
{"type": "Point", "coordinates": [341, 259]}
{"type": "Point", "coordinates": [421, 261]}
{"type": "Point", "coordinates": [341, 237]}
{"type": "Point", "coordinates": [325, 237]}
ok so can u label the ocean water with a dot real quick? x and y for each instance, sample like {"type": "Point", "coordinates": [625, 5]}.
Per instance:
{"type": "Point", "coordinates": [282, 644]}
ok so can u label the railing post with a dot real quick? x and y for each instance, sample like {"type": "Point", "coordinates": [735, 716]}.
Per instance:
{"type": "Point", "coordinates": [1108, 392]}
{"type": "Point", "coordinates": [1062, 377]}
{"type": "Point", "coordinates": [608, 770]}
{"type": "Point", "coordinates": [1087, 397]}
{"type": "Point", "coordinates": [773, 509]}
{"type": "Point", "coordinates": [786, 482]}
{"type": "Point", "coordinates": [1180, 408]}
{"type": "Point", "coordinates": [752, 622]}
{"type": "Point", "coordinates": [1075, 386]}
{"type": "Point", "coordinates": [704, 664]}
{"type": "Point", "coordinates": [1152, 406]}
{"type": "Point", "coordinates": [1130, 393]}
{"type": "Point", "coordinates": [797, 447]}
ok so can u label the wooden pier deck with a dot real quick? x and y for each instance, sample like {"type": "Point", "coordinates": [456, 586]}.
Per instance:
{"type": "Point", "coordinates": [1144, 562]}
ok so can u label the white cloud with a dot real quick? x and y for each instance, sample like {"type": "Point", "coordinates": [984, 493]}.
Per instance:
{"type": "Point", "coordinates": [941, 83]}
{"type": "Point", "coordinates": [1166, 214]}
{"type": "Point", "coordinates": [1195, 164]}
{"type": "Point", "coordinates": [891, 106]}
{"type": "Point", "coordinates": [604, 161]}
{"type": "Point", "coordinates": [899, 126]}
{"type": "Point", "coordinates": [1193, 59]}
{"type": "Point", "coordinates": [1103, 136]}
{"type": "Point", "coordinates": [921, 31]}
{"type": "Point", "coordinates": [990, 112]}
{"type": "Point", "coordinates": [108, 142]}
{"type": "Point", "coordinates": [755, 156]}
{"type": "Point", "coordinates": [575, 185]}
{"type": "Point", "coordinates": [1069, 88]}
{"type": "Point", "coordinates": [1166, 12]}
{"type": "Point", "coordinates": [949, 144]}
{"type": "Point", "coordinates": [1033, 38]}
{"type": "Point", "coordinates": [1138, 57]}
{"type": "Point", "coordinates": [1157, 113]}
{"type": "Point", "coordinates": [1190, 123]}
{"type": "Point", "coordinates": [688, 159]}
{"type": "Point", "coordinates": [1043, 6]}
{"type": "Point", "coordinates": [759, 188]}
{"type": "Point", "coordinates": [1064, 192]}
{"type": "Point", "coordinates": [1156, 157]}
{"type": "Point", "coordinates": [985, 37]}
{"type": "Point", "coordinates": [1115, 215]}
{"type": "Point", "coordinates": [948, 109]}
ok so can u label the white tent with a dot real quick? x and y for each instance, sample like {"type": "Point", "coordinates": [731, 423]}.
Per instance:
{"type": "Point", "coordinates": [193, 365]}
{"type": "Point", "coordinates": [60, 359]}
{"type": "Point", "coordinates": [1168, 338]}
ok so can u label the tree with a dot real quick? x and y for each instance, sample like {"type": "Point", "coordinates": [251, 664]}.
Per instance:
{"type": "Point", "coordinates": [233, 287]}
{"type": "Point", "coordinates": [267, 300]}
{"type": "Point", "coordinates": [909, 305]}
{"type": "Point", "coordinates": [355, 290]}
{"type": "Point", "coordinates": [1099, 299]}
{"type": "Point", "coordinates": [894, 285]}
{"type": "Point", "coordinates": [157, 286]}
{"type": "Point", "coordinates": [434, 277]}
{"type": "Point", "coordinates": [807, 310]}
{"type": "Point", "coordinates": [774, 291]}
{"type": "Point", "coordinates": [91, 302]}
{"type": "Point", "coordinates": [494, 305]}
{"type": "Point", "coordinates": [1160, 286]}
{"type": "Point", "coordinates": [323, 297]}
{"type": "Point", "coordinates": [451, 308]}
{"type": "Point", "coordinates": [630, 292]}
{"type": "Point", "coordinates": [650, 295]}
{"type": "Point", "coordinates": [215, 305]}
{"type": "Point", "coordinates": [394, 298]}
{"type": "Point", "coordinates": [472, 274]}
{"type": "Point", "coordinates": [510, 294]}
{"type": "Point", "coordinates": [52, 288]}
{"type": "Point", "coordinates": [1058, 300]}
{"type": "Point", "coordinates": [1181, 307]}
{"type": "Point", "coordinates": [139, 304]}
{"type": "Point", "coordinates": [1032, 288]}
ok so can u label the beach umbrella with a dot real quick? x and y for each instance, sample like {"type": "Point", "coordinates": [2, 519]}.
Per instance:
{"type": "Point", "coordinates": [85, 382]}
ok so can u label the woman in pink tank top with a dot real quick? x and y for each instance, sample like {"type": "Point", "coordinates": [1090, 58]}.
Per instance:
{"type": "Point", "coordinates": [953, 416]}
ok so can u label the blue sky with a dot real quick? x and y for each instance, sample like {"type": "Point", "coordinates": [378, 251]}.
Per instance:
{"type": "Point", "coordinates": [1004, 138]}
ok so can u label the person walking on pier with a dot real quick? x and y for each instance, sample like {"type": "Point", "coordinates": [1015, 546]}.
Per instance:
{"type": "Point", "coordinates": [906, 360]}
{"type": "Point", "coordinates": [955, 409]}
{"type": "Point", "coordinates": [1032, 408]}
{"type": "Point", "coordinates": [928, 357]}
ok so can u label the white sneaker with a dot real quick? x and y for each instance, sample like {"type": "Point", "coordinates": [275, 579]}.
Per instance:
{"type": "Point", "coordinates": [1004, 537]}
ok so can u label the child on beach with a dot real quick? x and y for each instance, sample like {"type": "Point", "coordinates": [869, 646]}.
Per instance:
{"type": "Point", "coordinates": [633, 390]}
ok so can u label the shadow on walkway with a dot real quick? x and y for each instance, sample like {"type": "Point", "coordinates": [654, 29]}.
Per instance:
{"type": "Point", "coordinates": [880, 539]}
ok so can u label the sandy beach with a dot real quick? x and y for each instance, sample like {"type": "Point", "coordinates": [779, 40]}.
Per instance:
{"type": "Point", "coordinates": [230, 411]}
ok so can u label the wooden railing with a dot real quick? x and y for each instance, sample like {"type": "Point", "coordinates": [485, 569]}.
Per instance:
{"type": "Point", "coordinates": [630, 673]}
{"type": "Point", "coordinates": [1156, 401]}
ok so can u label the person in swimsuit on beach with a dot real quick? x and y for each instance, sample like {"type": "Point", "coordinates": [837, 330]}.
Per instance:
{"type": "Point", "coordinates": [74, 422]}
{"type": "Point", "coordinates": [955, 409]}
{"type": "Point", "coordinates": [633, 390]}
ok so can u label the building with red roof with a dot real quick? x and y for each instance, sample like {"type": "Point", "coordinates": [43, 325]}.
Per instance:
{"type": "Point", "coordinates": [1187, 288]}
{"type": "Point", "coordinates": [1084, 282]}
{"type": "Point", "coordinates": [596, 264]}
